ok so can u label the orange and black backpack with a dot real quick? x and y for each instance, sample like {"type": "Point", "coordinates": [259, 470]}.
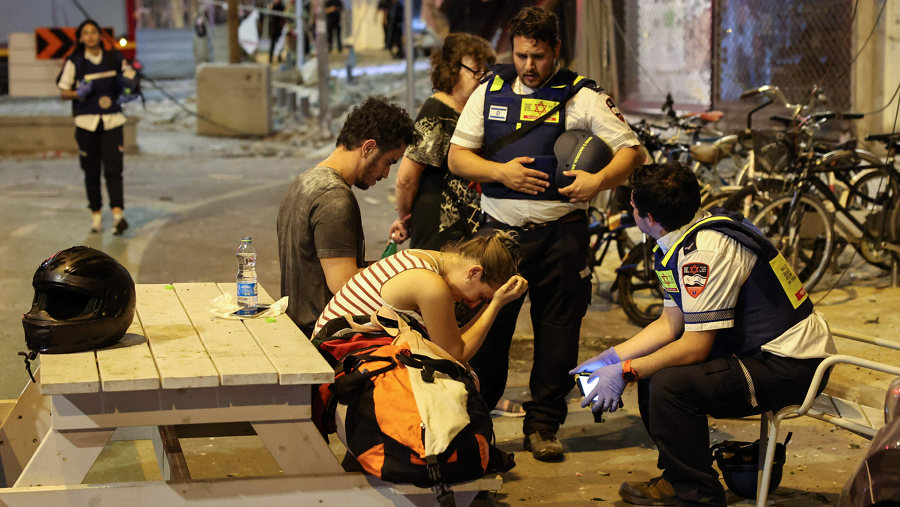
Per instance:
{"type": "Point", "coordinates": [409, 413]}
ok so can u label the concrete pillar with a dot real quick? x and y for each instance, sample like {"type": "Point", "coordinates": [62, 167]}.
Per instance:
{"type": "Point", "coordinates": [867, 73]}
{"type": "Point", "coordinates": [876, 72]}
{"type": "Point", "coordinates": [891, 61]}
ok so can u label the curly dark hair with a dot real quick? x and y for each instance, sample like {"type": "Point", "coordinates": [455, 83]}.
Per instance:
{"type": "Point", "coordinates": [669, 192]}
{"type": "Point", "coordinates": [376, 118]}
{"type": "Point", "coordinates": [447, 61]}
{"type": "Point", "coordinates": [535, 23]}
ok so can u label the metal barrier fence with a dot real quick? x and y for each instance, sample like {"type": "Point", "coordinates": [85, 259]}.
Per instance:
{"type": "Point", "coordinates": [705, 52]}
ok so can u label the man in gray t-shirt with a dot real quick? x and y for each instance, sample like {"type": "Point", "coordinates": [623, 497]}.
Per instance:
{"type": "Point", "coordinates": [319, 218]}
{"type": "Point", "coordinates": [320, 235]}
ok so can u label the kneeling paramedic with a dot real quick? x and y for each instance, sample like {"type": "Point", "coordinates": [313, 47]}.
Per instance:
{"type": "Point", "coordinates": [525, 191]}
{"type": "Point", "coordinates": [738, 336]}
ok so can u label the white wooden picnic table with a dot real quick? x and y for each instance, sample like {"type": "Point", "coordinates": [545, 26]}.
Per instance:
{"type": "Point", "coordinates": [177, 370]}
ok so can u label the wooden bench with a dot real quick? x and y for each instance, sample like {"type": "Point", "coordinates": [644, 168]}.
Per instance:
{"type": "Point", "coordinates": [181, 373]}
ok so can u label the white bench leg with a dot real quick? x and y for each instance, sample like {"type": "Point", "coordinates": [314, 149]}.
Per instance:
{"type": "Point", "coordinates": [298, 447]}
{"type": "Point", "coordinates": [64, 457]}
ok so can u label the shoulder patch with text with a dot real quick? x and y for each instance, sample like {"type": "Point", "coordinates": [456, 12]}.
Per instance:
{"type": "Point", "coordinates": [667, 281]}
{"type": "Point", "coordinates": [694, 276]}
{"type": "Point", "coordinates": [532, 109]}
{"type": "Point", "coordinates": [615, 110]}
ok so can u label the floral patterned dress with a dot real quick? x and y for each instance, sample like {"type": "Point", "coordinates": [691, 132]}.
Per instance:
{"type": "Point", "coordinates": [446, 208]}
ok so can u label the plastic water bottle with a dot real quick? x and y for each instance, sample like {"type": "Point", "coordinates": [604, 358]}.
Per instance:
{"type": "Point", "coordinates": [390, 250]}
{"type": "Point", "coordinates": [246, 275]}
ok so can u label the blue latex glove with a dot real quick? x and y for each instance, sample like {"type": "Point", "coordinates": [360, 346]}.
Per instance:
{"type": "Point", "coordinates": [607, 394]}
{"type": "Point", "coordinates": [126, 98]}
{"type": "Point", "coordinates": [84, 89]}
{"type": "Point", "coordinates": [605, 358]}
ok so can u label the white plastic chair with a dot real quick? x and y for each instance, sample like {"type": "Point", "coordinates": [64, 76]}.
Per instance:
{"type": "Point", "coordinates": [770, 424]}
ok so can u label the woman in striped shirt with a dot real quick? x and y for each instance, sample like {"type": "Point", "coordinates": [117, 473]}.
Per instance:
{"type": "Point", "coordinates": [424, 284]}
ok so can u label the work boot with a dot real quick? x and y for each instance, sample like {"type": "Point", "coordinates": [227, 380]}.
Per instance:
{"type": "Point", "coordinates": [544, 446]}
{"type": "Point", "coordinates": [656, 491]}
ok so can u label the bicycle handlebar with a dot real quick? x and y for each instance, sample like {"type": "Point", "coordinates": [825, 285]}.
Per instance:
{"type": "Point", "coordinates": [784, 120]}
{"type": "Point", "coordinates": [834, 115]}
{"type": "Point", "coordinates": [885, 138]}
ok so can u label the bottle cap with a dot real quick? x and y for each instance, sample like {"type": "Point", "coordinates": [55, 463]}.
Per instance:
{"type": "Point", "coordinates": [247, 239]}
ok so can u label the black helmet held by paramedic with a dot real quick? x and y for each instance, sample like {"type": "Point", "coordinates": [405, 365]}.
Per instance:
{"type": "Point", "coordinates": [83, 300]}
{"type": "Point", "coordinates": [582, 151]}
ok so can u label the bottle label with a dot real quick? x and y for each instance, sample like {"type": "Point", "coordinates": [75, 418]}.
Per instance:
{"type": "Point", "coordinates": [246, 289]}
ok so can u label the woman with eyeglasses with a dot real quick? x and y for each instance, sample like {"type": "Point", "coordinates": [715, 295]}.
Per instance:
{"type": "Point", "coordinates": [435, 207]}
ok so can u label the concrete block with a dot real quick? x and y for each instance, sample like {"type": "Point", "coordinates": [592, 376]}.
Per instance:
{"type": "Point", "coordinates": [28, 76]}
{"type": "Point", "coordinates": [235, 98]}
{"type": "Point", "coordinates": [39, 134]}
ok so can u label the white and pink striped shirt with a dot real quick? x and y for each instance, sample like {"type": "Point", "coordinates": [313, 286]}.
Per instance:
{"type": "Point", "coordinates": [362, 294]}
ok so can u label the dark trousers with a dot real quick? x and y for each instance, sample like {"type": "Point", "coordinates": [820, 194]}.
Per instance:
{"type": "Point", "coordinates": [274, 35]}
{"type": "Point", "coordinates": [554, 260]}
{"type": "Point", "coordinates": [676, 401]}
{"type": "Point", "coordinates": [334, 31]}
{"type": "Point", "coordinates": [96, 149]}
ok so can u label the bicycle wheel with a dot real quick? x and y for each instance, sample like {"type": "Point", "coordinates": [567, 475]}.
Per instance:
{"type": "Point", "coordinates": [640, 293]}
{"type": "Point", "coordinates": [804, 233]}
{"type": "Point", "coordinates": [868, 200]}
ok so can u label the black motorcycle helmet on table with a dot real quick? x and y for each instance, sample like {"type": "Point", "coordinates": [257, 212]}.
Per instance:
{"type": "Point", "coordinates": [83, 300]}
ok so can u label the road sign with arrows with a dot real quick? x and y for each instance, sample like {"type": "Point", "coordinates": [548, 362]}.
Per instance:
{"type": "Point", "coordinates": [53, 43]}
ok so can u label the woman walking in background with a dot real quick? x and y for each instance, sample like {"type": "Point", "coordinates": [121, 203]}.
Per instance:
{"type": "Point", "coordinates": [95, 80]}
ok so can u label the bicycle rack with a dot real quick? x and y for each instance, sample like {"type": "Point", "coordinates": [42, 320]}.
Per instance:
{"type": "Point", "coordinates": [895, 263]}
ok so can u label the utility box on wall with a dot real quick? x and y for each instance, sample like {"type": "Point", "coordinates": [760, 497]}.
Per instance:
{"type": "Point", "coordinates": [235, 98]}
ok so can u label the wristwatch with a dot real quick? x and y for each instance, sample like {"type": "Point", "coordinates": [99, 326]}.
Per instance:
{"type": "Point", "coordinates": [628, 373]}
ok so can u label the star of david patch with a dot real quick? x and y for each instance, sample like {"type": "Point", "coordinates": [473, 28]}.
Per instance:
{"type": "Point", "coordinates": [694, 276]}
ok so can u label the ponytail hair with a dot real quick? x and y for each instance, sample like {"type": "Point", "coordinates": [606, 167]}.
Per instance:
{"type": "Point", "coordinates": [497, 253]}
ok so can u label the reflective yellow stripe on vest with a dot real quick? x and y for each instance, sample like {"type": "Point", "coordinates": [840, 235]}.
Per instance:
{"type": "Point", "coordinates": [675, 246]}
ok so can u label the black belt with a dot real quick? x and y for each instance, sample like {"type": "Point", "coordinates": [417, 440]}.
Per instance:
{"type": "Point", "coordinates": [571, 217]}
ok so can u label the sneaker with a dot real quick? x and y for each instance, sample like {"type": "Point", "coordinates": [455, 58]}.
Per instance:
{"type": "Point", "coordinates": [508, 408]}
{"type": "Point", "coordinates": [120, 226]}
{"type": "Point", "coordinates": [544, 446]}
{"type": "Point", "coordinates": [96, 223]}
{"type": "Point", "coordinates": [656, 491]}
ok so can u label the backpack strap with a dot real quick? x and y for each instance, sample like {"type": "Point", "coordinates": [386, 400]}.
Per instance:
{"type": "Point", "coordinates": [429, 366]}
{"type": "Point", "coordinates": [445, 497]}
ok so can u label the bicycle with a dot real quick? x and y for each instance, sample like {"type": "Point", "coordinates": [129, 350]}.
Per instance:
{"type": "Point", "coordinates": [638, 300]}
{"type": "Point", "coordinates": [802, 222]}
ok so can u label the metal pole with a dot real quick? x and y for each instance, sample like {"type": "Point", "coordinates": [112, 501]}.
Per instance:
{"type": "Point", "coordinates": [410, 77]}
{"type": "Point", "coordinates": [300, 30]}
{"type": "Point", "coordinates": [234, 48]}
{"type": "Point", "coordinates": [322, 56]}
